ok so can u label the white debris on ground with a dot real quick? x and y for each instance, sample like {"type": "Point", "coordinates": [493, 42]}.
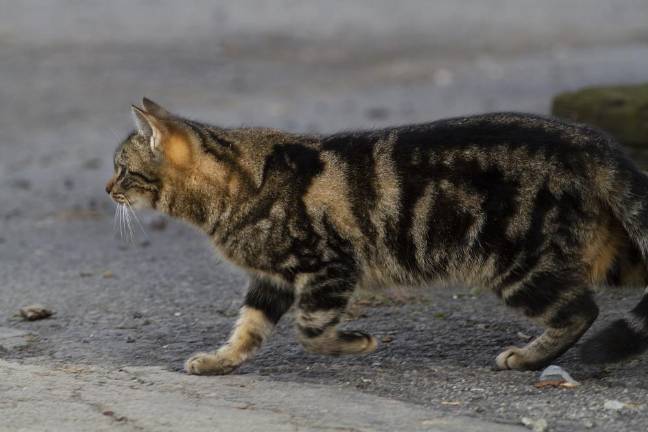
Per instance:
{"type": "Point", "coordinates": [614, 405]}
{"type": "Point", "coordinates": [536, 425]}
{"type": "Point", "coordinates": [555, 376]}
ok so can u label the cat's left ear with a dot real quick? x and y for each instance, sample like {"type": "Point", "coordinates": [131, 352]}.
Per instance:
{"type": "Point", "coordinates": [155, 109]}
{"type": "Point", "coordinates": [149, 126]}
{"type": "Point", "coordinates": [166, 140]}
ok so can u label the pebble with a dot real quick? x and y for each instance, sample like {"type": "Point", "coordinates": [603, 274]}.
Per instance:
{"type": "Point", "coordinates": [35, 312]}
{"type": "Point", "coordinates": [536, 425]}
{"type": "Point", "coordinates": [614, 405]}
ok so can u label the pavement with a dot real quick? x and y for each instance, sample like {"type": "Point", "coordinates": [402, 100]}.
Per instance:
{"type": "Point", "coordinates": [128, 313]}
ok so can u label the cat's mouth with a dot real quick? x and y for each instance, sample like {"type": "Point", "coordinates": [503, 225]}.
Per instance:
{"type": "Point", "coordinates": [119, 198]}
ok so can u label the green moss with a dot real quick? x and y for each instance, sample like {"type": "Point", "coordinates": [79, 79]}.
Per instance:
{"type": "Point", "coordinates": [620, 110]}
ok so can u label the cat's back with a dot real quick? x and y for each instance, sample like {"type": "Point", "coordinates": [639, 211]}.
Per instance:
{"type": "Point", "coordinates": [510, 129]}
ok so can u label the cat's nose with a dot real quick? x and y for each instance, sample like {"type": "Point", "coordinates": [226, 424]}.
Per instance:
{"type": "Point", "coordinates": [110, 185]}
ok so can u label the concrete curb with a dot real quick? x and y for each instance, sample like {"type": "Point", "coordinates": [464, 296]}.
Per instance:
{"type": "Point", "coordinates": [81, 398]}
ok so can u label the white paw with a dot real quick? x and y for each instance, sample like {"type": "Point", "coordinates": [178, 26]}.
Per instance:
{"type": "Point", "coordinates": [209, 364]}
{"type": "Point", "coordinates": [511, 358]}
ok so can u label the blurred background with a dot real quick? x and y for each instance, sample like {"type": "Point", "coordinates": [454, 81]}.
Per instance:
{"type": "Point", "coordinates": [70, 69]}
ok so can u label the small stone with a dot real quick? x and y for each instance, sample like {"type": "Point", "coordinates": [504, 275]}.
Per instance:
{"type": "Point", "coordinates": [130, 339]}
{"type": "Point", "coordinates": [177, 314]}
{"type": "Point", "coordinates": [138, 315]}
{"type": "Point", "coordinates": [589, 424]}
{"type": "Point", "coordinates": [536, 425]}
{"type": "Point", "coordinates": [35, 312]}
{"type": "Point", "coordinates": [387, 339]}
{"type": "Point", "coordinates": [614, 405]}
{"type": "Point", "coordinates": [107, 274]}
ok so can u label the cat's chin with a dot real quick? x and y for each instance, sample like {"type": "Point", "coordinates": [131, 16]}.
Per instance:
{"type": "Point", "coordinates": [139, 203]}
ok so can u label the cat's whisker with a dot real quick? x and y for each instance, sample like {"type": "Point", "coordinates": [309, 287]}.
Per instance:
{"type": "Point", "coordinates": [129, 233]}
{"type": "Point", "coordinates": [123, 212]}
{"type": "Point", "coordinates": [130, 226]}
{"type": "Point", "coordinates": [137, 220]}
{"type": "Point", "coordinates": [121, 221]}
{"type": "Point", "coordinates": [118, 220]}
{"type": "Point", "coordinates": [115, 219]}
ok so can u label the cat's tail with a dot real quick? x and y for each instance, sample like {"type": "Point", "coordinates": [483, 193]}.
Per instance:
{"type": "Point", "coordinates": [620, 340]}
{"type": "Point", "coordinates": [627, 196]}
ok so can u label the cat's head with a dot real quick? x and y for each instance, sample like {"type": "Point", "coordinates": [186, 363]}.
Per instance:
{"type": "Point", "coordinates": [154, 157]}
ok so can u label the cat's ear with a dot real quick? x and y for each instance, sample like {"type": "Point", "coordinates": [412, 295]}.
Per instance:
{"type": "Point", "coordinates": [155, 109]}
{"type": "Point", "coordinates": [150, 127]}
{"type": "Point", "coordinates": [166, 140]}
{"type": "Point", "coordinates": [142, 125]}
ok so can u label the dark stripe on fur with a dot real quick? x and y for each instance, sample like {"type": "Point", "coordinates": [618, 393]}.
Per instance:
{"type": "Point", "coordinates": [357, 152]}
{"type": "Point", "coordinates": [271, 300]}
{"type": "Point", "coordinates": [540, 292]}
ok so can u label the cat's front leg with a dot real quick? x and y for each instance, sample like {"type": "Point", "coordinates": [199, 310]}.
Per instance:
{"type": "Point", "coordinates": [322, 301]}
{"type": "Point", "coordinates": [264, 305]}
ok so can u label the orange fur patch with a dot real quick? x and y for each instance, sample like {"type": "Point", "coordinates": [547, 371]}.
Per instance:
{"type": "Point", "coordinates": [329, 191]}
{"type": "Point", "coordinates": [600, 252]}
{"type": "Point", "coordinates": [177, 150]}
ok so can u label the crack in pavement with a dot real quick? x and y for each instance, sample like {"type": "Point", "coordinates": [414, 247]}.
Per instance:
{"type": "Point", "coordinates": [71, 397]}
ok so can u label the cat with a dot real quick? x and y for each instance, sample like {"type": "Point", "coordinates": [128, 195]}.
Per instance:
{"type": "Point", "coordinates": [535, 209]}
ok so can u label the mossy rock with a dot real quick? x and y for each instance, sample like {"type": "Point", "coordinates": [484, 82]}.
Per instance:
{"type": "Point", "coordinates": [620, 110]}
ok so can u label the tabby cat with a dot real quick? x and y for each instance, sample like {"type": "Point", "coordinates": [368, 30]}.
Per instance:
{"type": "Point", "coordinates": [532, 208]}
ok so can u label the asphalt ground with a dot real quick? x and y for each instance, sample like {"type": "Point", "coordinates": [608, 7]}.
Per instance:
{"type": "Point", "coordinates": [66, 90]}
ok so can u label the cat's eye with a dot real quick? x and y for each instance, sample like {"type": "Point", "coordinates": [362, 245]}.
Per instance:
{"type": "Point", "coordinates": [121, 172]}
{"type": "Point", "coordinates": [141, 176]}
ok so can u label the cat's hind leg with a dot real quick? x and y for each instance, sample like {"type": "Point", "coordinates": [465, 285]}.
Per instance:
{"type": "Point", "coordinates": [322, 301]}
{"type": "Point", "coordinates": [265, 303]}
{"type": "Point", "coordinates": [563, 304]}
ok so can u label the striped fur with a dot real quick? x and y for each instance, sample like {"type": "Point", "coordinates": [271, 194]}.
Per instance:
{"type": "Point", "coordinates": [534, 209]}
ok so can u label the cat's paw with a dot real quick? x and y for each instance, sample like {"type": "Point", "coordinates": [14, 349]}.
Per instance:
{"type": "Point", "coordinates": [521, 359]}
{"type": "Point", "coordinates": [210, 364]}
{"type": "Point", "coordinates": [511, 358]}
